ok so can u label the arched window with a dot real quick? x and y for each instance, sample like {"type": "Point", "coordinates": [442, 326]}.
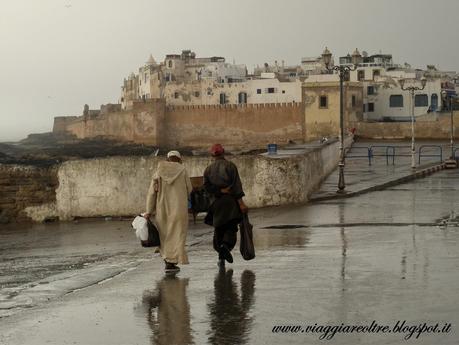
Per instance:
{"type": "Point", "coordinates": [170, 63]}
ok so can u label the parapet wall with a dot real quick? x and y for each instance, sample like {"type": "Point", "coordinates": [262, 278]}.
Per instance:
{"type": "Point", "coordinates": [117, 186]}
{"type": "Point", "coordinates": [437, 129]}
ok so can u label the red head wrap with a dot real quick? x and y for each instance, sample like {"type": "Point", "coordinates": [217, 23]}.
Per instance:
{"type": "Point", "coordinates": [217, 150]}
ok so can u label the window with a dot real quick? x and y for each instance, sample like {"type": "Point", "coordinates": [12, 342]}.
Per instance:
{"type": "Point", "coordinates": [347, 76]}
{"type": "Point", "coordinates": [170, 63]}
{"type": "Point", "coordinates": [196, 94]}
{"type": "Point", "coordinates": [242, 97]}
{"type": "Point", "coordinates": [145, 78]}
{"type": "Point", "coordinates": [396, 101]}
{"type": "Point", "coordinates": [323, 102]}
{"type": "Point", "coordinates": [370, 90]}
{"type": "Point", "coordinates": [353, 101]}
{"type": "Point", "coordinates": [434, 102]}
{"type": "Point", "coordinates": [176, 95]}
{"type": "Point", "coordinates": [222, 98]}
{"type": "Point", "coordinates": [271, 90]}
{"type": "Point", "coordinates": [258, 91]}
{"type": "Point", "coordinates": [376, 73]}
{"type": "Point", "coordinates": [361, 75]}
{"type": "Point", "coordinates": [421, 100]}
{"type": "Point", "coordinates": [283, 91]}
{"type": "Point", "coordinates": [371, 107]}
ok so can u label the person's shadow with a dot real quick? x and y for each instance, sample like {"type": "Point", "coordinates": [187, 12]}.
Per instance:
{"type": "Point", "coordinates": [230, 322]}
{"type": "Point", "coordinates": [168, 312]}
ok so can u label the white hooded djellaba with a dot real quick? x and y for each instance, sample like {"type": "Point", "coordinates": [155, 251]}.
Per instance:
{"type": "Point", "coordinates": [169, 204]}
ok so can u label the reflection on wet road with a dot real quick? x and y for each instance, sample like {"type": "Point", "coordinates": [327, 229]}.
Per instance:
{"type": "Point", "coordinates": [230, 321]}
{"type": "Point", "coordinates": [168, 312]}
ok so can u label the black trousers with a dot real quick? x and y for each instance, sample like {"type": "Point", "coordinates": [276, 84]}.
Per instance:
{"type": "Point", "coordinates": [225, 234]}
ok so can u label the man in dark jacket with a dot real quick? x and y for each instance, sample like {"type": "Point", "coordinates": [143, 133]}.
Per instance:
{"type": "Point", "coordinates": [222, 182]}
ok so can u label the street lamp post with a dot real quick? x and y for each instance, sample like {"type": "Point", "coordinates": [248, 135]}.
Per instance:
{"type": "Point", "coordinates": [412, 89]}
{"type": "Point", "coordinates": [452, 127]}
{"type": "Point", "coordinates": [342, 72]}
{"type": "Point", "coordinates": [451, 108]}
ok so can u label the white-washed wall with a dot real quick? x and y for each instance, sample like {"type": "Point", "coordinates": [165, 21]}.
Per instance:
{"type": "Point", "coordinates": [117, 186]}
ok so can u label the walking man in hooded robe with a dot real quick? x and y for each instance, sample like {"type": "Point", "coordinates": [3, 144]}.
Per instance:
{"type": "Point", "coordinates": [222, 182]}
{"type": "Point", "coordinates": [167, 200]}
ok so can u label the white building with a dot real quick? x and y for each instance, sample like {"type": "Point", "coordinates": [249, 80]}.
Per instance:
{"type": "Point", "coordinates": [383, 98]}
{"type": "Point", "coordinates": [312, 65]}
{"type": "Point", "coordinates": [223, 72]}
{"type": "Point", "coordinates": [183, 79]}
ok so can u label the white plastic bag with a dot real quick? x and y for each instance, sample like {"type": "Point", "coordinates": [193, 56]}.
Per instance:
{"type": "Point", "coordinates": [141, 228]}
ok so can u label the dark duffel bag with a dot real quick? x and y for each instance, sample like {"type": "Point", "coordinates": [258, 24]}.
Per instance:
{"type": "Point", "coordinates": [246, 246]}
{"type": "Point", "coordinates": [200, 201]}
{"type": "Point", "coordinates": [153, 236]}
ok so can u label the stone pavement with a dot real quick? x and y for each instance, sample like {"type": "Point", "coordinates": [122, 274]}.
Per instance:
{"type": "Point", "coordinates": [384, 256]}
{"type": "Point", "coordinates": [360, 177]}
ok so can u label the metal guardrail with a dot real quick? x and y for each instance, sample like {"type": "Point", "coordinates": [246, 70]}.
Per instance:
{"type": "Point", "coordinates": [422, 147]}
{"type": "Point", "coordinates": [390, 152]}
{"type": "Point", "coordinates": [367, 149]}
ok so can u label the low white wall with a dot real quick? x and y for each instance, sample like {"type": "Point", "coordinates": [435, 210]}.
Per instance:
{"type": "Point", "coordinates": [117, 186]}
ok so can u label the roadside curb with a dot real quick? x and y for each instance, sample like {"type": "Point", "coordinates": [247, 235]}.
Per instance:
{"type": "Point", "coordinates": [412, 176]}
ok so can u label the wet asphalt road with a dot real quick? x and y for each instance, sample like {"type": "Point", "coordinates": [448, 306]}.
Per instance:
{"type": "Point", "coordinates": [385, 256]}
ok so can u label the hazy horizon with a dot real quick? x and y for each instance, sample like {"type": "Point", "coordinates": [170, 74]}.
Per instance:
{"type": "Point", "coordinates": [58, 55]}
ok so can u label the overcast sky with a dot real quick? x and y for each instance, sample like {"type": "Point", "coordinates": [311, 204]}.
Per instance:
{"type": "Point", "coordinates": [57, 55]}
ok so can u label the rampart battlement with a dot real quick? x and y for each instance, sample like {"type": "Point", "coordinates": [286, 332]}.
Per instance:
{"type": "Point", "coordinates": [233, 106]}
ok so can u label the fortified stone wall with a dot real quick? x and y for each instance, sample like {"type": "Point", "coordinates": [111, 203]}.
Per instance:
{"type": "Point", "coordinates": [249, 126]}
{"type": "Point", "coordinates": [143, 124]}
{"type": "Point", "coordinates": [26, 187]}
{"type": "Point", "coordinates": [61, 123]}
{"type": "Point", "coordinates": [150, 122]}
{"type": "Point", "coordinates": [439, 129]}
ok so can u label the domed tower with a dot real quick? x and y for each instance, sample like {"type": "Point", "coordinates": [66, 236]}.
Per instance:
{"type": "Point", "coordinates": [151, 61]}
